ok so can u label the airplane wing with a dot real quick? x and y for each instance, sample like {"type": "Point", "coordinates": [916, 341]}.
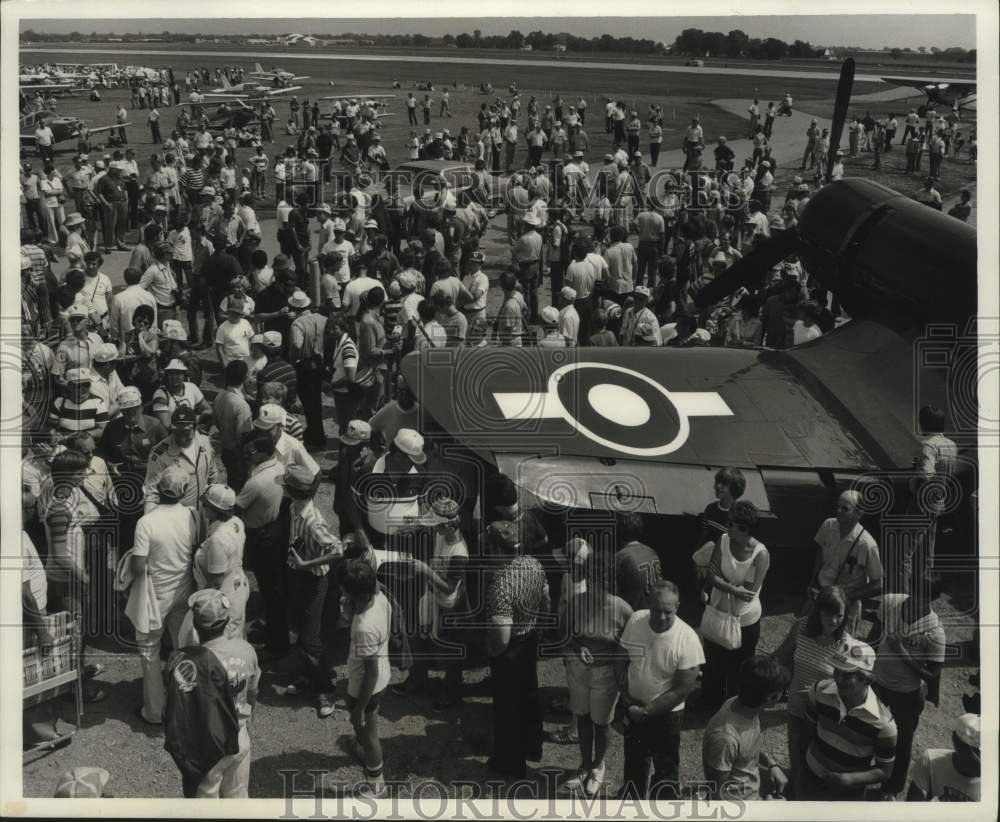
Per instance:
{"type": "Point", "coordinates": [99, 129]}
{"type": "Point", "coordinates": [50, 87]}
{"type": "Point", "coordinates": [655, 421]}
{"type": "Point", "coordinates": [925, 84]}
{"type": "Point", "coordinates": [283, 90]}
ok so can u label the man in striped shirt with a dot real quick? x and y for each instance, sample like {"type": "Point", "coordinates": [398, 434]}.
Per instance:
{"type": "Point", "coordinates": [852, 736]}
{"type": "Point", "coordinates": [39, 271]}
{"type": "Point", "coordinates": [277, 369]}
{"type": "Point", "coordinates": [313, 547]}
{"type": "Point", "coordinates": [78, 411]}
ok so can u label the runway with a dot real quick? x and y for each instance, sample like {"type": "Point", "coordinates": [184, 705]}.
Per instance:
{"type": "Point", "coordinates": [271, 56]}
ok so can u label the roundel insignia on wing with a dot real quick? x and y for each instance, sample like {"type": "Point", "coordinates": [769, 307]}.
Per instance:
{"type": "Point", "coordinates": [616, 407]}
{"type": "Point", "coordinates": [620, 407]}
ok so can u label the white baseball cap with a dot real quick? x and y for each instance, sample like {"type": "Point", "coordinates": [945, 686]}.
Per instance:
{"type": "Point", "coordinates": [412, 444]}
{"type": "Point", "coordinates": [270, 415]}
{"type": "Point", "coordinates": [550, 315]}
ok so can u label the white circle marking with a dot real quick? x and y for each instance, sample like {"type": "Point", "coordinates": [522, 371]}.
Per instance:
{"type": "Point", "coordinates": [619, 404]}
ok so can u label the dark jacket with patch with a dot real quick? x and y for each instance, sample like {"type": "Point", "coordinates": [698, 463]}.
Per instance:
{"type": "Point", "coordinates": [202, 724]}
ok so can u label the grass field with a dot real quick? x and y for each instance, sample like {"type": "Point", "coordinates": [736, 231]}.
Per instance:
{"type": "Point", "coordinates": [866, 62]}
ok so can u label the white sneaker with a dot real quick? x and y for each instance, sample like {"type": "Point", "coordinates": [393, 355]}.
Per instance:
{"type": "Point", "coordinates": [574, 783]}
{"type": "Point", "coordinates": [594, 781]}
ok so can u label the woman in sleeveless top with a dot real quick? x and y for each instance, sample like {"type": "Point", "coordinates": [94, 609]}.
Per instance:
{"type": "Point", "coordinates": [734, 577]}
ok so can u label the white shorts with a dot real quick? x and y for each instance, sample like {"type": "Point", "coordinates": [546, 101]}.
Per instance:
{"type": "Point", "coordinates": [593, 690]}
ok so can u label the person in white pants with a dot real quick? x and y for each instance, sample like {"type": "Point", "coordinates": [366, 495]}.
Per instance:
{"type": "Point", "coordinates": [165, 541]}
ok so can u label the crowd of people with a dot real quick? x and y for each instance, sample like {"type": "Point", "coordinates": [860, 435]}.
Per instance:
{"type": "Point", "coordinates": [174, 430]}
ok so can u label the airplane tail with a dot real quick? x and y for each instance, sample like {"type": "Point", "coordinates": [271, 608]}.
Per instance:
{"type": "Point", "coordinates": [258, 69]}
{"type": "Point", "coordinates": [225, 82]}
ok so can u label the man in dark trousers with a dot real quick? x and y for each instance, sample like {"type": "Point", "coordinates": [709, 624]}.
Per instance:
{"type": "Point", "coordinates": [516, 595]}
{"type": "Point", "coordinates": [305, 351]}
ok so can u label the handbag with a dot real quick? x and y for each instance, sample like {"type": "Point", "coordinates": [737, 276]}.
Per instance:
{"type": "Point", "coordinates": [721, 627]}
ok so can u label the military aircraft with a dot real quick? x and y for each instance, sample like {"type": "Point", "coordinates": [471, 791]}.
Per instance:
{"type": "Point", "coordinates": [230, 114]}
{"type": "Point", "coordinates": [645, 429]}
{"type": "Point", "coordinates": [63, 127]}
{"type": "Point", "coordinates": [959, 95]}
{"type": "Point", "coordinates": [246, 90]}
{"type": "Point", "coordinates": [276, 76]}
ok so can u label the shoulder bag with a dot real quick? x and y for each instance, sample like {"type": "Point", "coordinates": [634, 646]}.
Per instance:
{"type": "Point", "coordinates": [717, 625]}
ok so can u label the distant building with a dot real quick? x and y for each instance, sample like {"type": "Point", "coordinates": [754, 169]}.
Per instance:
{"type": "Point", "coordinates": [559, 47]}
{"type": "Point", "coordinates": [527, 47]}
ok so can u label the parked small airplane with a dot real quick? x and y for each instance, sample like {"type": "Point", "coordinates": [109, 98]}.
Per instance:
{"type": "Point", "coordinates": [276, 76]}
{"type": "Point", "coordinates": [247, 90]}
{"type": "Point", "coordinates": [959, 95]}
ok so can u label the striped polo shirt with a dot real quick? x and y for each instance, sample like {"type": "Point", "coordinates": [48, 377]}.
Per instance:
{"type": "Point", "coordinates": [279, 370]}
{"type": "Point", "coordinates": [69, 416]}
{"type": "Point", "coordinates": [294, 427]}
{"type": "Point", "coordinates": [848, 741]}
{"type": "Point", "coordinates": [308, 524]}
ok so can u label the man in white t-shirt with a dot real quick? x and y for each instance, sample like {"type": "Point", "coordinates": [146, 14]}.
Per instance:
{"type": "Point", "coordinates": [661, 670]}
{"type": "Point", "coordinates": [343, 247]}
{"type": "Point", "coordinates": [942, 775]}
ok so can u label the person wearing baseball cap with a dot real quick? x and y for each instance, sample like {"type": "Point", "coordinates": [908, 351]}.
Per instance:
{"type": "Point", "coordinates": [232, 338]}
{"type": "Point", "coordinates": [191, 734]}
{"type": "Point", "coordinates": [409, 442]}
{"type": "Point", "coordinates": [552, 338]}
{"type": "Point", "coordinates": [313, 548]}
{"type": "Point", "coordinates": [105, 382]}
{"type": "Point", "coordinates": [126, 444]}
{"type": "Point", "coordinates": [83, 783]}
{"type": "Point", "coordinates": [287, 449]}
{"type": "Point", "coordinates": [78, 410]}
{"type": "Point", "coordinates": [517, 593]}
{"type": "Point", "coordinates": [853, 733]}
{"type": "Point", "coordinates": [177, 390]}
{"type": "Point", "coordinates": [166, 537]}
{"type": "Point", "coordinates": [188, 450]}
{"type": "Point", "coordinates": [357, 432]}
{"type": "Point", "coordinates": [477, 284]}
{"type": "Point", "coordinates": [637, 316]}
{"type": "Point", "coordinates": [76, 350]}
{"type": "Point", "coordinates": [950, 775]}
{"type": "Point", "coordinates": [218, 564]}
{"type": "Point", "coordinates": [569, 317]}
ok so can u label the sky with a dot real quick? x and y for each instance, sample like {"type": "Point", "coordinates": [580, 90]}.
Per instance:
{"type": "Point", "coordinates": [869, 31]}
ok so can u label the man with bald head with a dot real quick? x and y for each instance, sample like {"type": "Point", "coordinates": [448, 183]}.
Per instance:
{"type": "Point", "coordinates": [848, 556]}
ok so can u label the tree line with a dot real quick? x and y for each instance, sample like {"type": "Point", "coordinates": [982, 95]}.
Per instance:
{"type": "Point", "coordinates": [690, 43]}
{"type": "Point", "coordinates": [737, 43]}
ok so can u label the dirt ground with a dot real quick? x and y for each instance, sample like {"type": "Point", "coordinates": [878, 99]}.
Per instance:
{"type": "Point", "coordinates": [419, 744]}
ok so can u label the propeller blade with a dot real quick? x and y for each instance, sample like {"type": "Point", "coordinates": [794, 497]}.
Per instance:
{"type": "Point", "coordinates": [844, 86]}
{"type": "Point", "coordinates": [749, 271]}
